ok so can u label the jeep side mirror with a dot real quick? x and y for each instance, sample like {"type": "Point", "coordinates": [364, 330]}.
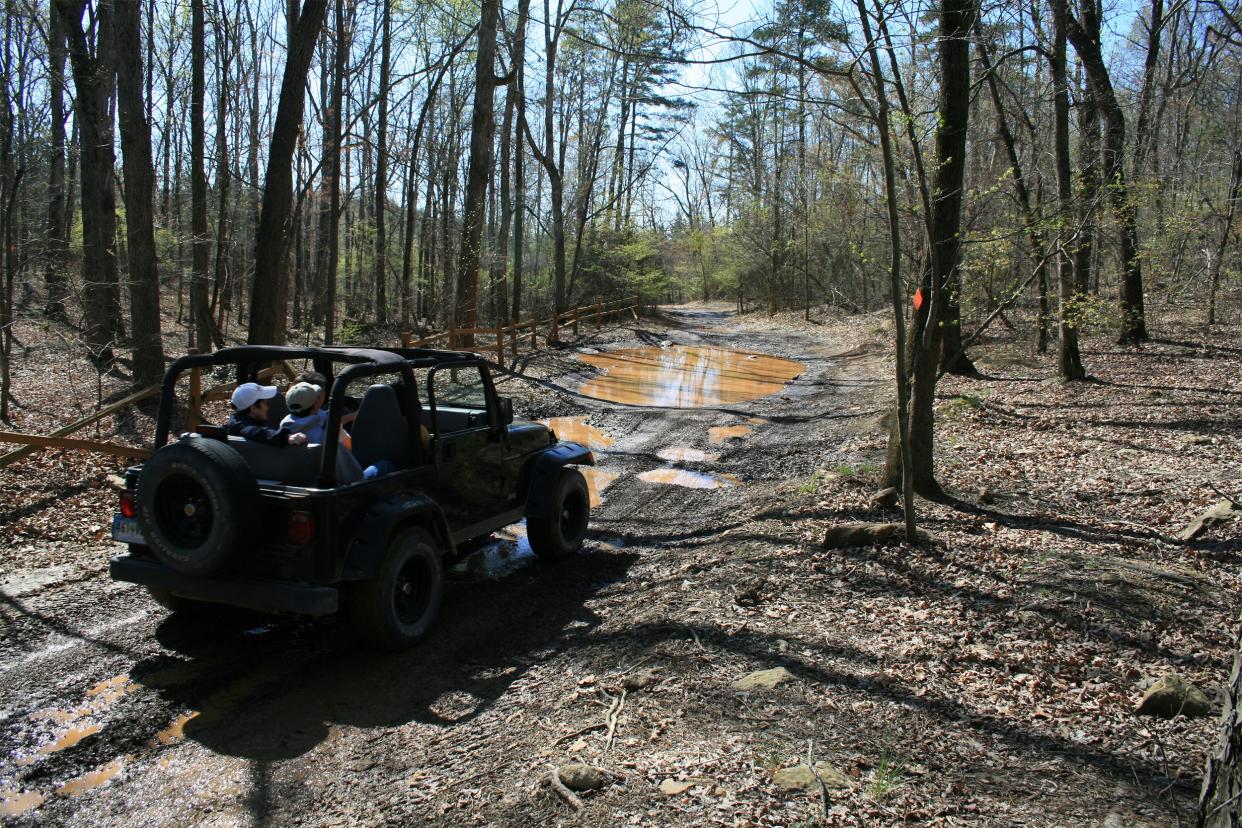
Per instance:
{"type": "Point", "coordinates": [506, 410]}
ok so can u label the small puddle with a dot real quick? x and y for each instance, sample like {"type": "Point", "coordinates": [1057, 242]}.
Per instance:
{"type": "Point", "coordinates": [687, 479]}
{"type": "Point", "coordinates": [16, 803]}
{"type": "Point", "coordinates": [65, 741]}
{"type": "Point", "coordinates": [175, 731]}
{"type": "Point", "coordinates": [597, 480]}
{"type": "Point", "coordinates": [509, 552]}
{"type": "Point", "coordinates": [679, 454]}
{"type": "Point", "coordinates": [683, 376]}
{"type": "Point", "coordinates": [93, 779]}
{"type": "Point", "coordinates": [577, 430]}
{"type": "Point", "coordinates": [106, 692]}
{"type": "Point", "coordinates": [719, 434]}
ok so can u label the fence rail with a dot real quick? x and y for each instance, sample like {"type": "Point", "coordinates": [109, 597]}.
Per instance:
{"type": "Point", "coordinates": [509, 338]}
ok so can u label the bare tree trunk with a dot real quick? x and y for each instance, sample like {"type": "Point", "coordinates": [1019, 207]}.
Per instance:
{"type": "Point", "coordinates": [200, 245]}
{"type": "Point", "coordinates": [519, 172]}
{"type": "Point", "coordinates": [55, 278]}
{"type": "Point", "coordinates": [956, 22]}
{"type": "Point", "coordinates": [1086, 39]}
{"type": "Point", "coordinates": [1034, 235]}
{"type": "Point", "coordinates": [144, 281]}
{"type": "Point", "coordinates": [9, 179]}
{"type": "Point", "coordinates": [93, 78]}
{"type": "Point", "coordinates": [269, 296]}
{"type": "Point", "coordinates": [482, 135]}
{"type": "Point", "coordinates": [381, 168]}
{"type": "Point", "coordinates": [899, 319]}
{"type": "Point", "coordinates": [1235, 191]}
{"type": "Point", "coordinates": [225, 55]}
{"type": "Point", "coordinates": [330, 216]}
{"type": "Point", "coordinates": [1069, 360]}
{"type": "Point", "coordinates": [1222, 779]}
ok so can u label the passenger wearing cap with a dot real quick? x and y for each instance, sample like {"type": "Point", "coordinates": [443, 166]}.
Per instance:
{"type": "Point", "coordinates": [308, 416]}
{"type": "Point", "coordinates": [249, 417]}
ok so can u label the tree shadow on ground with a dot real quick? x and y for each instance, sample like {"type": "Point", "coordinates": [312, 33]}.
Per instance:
{"type": "Point", "coordinates": [275, 694]}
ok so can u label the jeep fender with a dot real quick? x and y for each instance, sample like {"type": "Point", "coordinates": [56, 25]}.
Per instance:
{"type": "Point", "coordinates": [545, 470]}
{"type": "Point", "coordinates": [366, 551]}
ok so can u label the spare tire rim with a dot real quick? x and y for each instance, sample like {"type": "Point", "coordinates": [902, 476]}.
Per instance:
{"type": "Point", "coordinates": [183, 511]}
{"type": "Point", "coordinates": [412, 591]}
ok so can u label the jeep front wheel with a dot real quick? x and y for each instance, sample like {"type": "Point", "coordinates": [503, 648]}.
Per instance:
{"type": "Point", "coordinates": [560, 532]}
{"type": "Point", "coordinates": [398, 607]}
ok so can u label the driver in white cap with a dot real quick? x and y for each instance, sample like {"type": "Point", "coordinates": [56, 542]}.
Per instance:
{"type": "Point", "coordinates": [249, 417]}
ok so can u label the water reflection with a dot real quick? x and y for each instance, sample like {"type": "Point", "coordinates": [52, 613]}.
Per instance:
{"type": "Point", "coordinates": [679, 454]}
{"type": "Point", "coordinates": [683, 376]}
{"type": "Point", "coordinates": [576, 430]}
{"type": "Point", "coordinates": [718, 434]}
{"type": "Point", "coordinates": [685, 478]}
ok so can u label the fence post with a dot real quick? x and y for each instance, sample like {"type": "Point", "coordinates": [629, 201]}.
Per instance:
{"type": "Point", "coordinates": [452, 334]}
{"type": "Point", "coordinates": [534, 331]}
{"type": "Point", "coordinates": [513, 339]}
{"type": "Point", "coordinates": [406, 339]}
{"type": "Point", "coordinates": [500, 344]}
{"type": "Point", "coordinates": [576, 312]}
{"type": "Point", "coordinates": [599, 309]}
{"type": "Point", "coordinates": [554, 332]}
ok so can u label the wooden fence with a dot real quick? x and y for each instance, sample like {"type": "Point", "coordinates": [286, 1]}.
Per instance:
{"type": "Point", "coordinates": [507, 339]}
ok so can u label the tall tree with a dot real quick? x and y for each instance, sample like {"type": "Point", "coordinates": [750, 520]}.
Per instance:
{"type": "Point", "coordinates": [381, 166]}
{"type": "Point", "coordinates": [55, 278]}
{"type": "Point", "coordinates": [1085, 35]}
{"type": "Point", "coordinates": [482, 136]}
{"type": "Point", "coordinates": [144, 281]}
{"type": "Point", "coordinates": [1069, 360]}
{"type": "Point", "coordinates": [94, 75]}
{"type": "Point", "coordinates": [270, 290]}
{"type": "Point", "coordinates": [956, 22]}
{"type": "Point", "coordinates": [330, 215]}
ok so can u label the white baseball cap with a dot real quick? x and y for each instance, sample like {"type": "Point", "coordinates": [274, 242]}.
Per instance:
{"type": "Point", "coordinates": [249, 393]}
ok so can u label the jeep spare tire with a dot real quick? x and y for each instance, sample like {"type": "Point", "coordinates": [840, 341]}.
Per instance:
{"type": "Point", "coordinates": [196, 500]}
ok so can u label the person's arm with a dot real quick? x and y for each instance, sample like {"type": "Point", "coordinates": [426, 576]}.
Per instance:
{"type": "Point", "coordinates": [257, 433]}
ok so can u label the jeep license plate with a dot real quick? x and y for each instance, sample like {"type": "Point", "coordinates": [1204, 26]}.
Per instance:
{"type": "Point", "coordinates": [126, 530]}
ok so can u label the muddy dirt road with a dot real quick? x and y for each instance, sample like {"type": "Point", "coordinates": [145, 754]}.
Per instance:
{"type": "Point", "coordinates": [114, 712]}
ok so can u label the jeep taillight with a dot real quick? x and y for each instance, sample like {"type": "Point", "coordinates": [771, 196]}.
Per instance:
{"type": "Point", "coordinates": [129, 504]}
{"type": "Point", "coordinates": [300, 528]}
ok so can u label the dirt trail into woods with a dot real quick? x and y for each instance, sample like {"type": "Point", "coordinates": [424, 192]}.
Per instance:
{"type": "Point", "coordinates": [988, 678]}
{"type": "Point", "coordinates": [114, 712]}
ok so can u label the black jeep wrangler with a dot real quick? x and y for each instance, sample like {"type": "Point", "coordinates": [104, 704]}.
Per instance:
{"type": "Point", "coordinates": [217, 519]}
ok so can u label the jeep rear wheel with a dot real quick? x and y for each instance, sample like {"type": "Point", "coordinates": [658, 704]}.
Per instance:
{"type": "Point", "coordinates": [195, 503]}
{"type": "Point", "coordinates": [560, 532]}
{"type": "Point", "coordinates": [398, 607]}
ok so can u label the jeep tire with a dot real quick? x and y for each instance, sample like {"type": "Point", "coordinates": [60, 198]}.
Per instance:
{"type": "Point", "coordinates": [560, 532]}
{"type": "Point", "coordinates": [196, 500]}
{"type": "Point", "coordinates": [398, 607]}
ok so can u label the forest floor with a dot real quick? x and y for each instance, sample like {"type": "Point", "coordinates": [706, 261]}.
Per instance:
{"type": "Point", "coordinates": [987, 677]}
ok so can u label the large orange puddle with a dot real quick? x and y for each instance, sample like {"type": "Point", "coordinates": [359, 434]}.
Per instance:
{"type": "Point", "coordinates": [683, 376]}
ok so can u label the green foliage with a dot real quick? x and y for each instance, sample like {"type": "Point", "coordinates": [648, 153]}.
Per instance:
{"type": "Point", "coordinates": [889, 773]}
{"type": "Point", "coordinates": [1090, 313]}
{"type": "Point", "coordinates": [959, 405]}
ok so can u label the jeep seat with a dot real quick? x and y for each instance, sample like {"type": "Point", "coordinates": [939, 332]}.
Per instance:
{"type": "Point", "coordinates": [380, 431]}
{"type": "Point", "coordinates": [298, 465]}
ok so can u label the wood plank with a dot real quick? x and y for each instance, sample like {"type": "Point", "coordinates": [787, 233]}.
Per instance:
{"type": "Point", "coordinates": [149, 391]}
{"type": "Point", "coordinates": [38, 441]}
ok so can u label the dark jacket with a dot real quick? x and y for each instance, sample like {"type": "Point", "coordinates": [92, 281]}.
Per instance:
{"type": "Point", "coordinates": [242, 424]}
